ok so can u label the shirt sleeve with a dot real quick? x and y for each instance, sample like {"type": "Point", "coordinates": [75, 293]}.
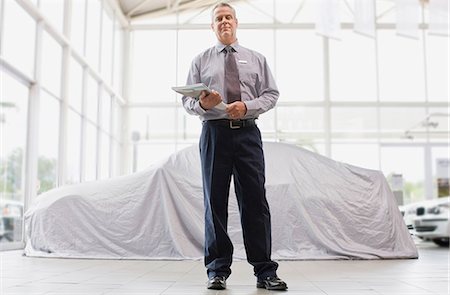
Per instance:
{"type": "Point", "coordinates": [191, 104]}
{"type": "Point", "coordinates": [267, 93]}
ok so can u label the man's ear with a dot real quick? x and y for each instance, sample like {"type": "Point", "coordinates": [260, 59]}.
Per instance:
{"type": "Point", "coordinates": [212, 26]}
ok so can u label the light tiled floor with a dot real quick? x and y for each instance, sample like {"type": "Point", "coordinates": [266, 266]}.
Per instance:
{"type": "Point", "coordinates": [24, 275]}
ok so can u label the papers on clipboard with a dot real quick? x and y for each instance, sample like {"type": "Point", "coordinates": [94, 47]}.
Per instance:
{"type": "Point", "coordinates": [195, 90]}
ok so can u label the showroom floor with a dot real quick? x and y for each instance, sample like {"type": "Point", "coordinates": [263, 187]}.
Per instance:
{"type": "Point", "coordinates": [24, 275]}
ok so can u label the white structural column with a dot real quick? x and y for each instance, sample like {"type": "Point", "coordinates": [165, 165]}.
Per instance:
{"type": "Point", "coordinates": [126, 78]}
{"type": "Point", "coordinates": [65, 78]}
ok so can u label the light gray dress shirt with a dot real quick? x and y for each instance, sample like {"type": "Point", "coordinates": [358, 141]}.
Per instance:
{"type": "Point", "coordinates": [258, 89]}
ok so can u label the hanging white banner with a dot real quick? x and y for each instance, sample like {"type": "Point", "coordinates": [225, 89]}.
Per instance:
{"type": "Point", "coordinates": [408, 15]}
{"type": "Point", "coordinates": [365, 17]}
{"type": "Point", "coordinates": [327, 18]}
{"type": "Point", "coordinates": [439, 16]}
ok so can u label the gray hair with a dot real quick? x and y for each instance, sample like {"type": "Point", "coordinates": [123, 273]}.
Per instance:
{"type": "Point", "coordinates": [222, 4]}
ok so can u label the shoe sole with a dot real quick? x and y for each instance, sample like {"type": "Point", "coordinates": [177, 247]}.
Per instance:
{"type": "Point", "coordinates": [277, 288]}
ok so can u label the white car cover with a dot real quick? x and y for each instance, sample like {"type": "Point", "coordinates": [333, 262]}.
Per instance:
{"type": "Point", "coordinates": [321, 209]}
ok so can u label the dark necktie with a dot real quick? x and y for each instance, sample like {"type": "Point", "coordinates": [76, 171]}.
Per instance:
{"type": "Point", "coordinates": [232, 85]}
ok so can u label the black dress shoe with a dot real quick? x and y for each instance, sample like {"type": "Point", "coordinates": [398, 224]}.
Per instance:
{"type": "Point", "coordinates": [217, 283]}
{"type": "Point", "coordinates": [272, 283]}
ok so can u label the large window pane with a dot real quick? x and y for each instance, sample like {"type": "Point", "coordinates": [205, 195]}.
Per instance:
{"type": "Point", "coordinates": [401, 69]}
{"type": "Point", "coordinates": [19, 33]}
{"type": "Point", "coordinates": [73, 147]}
{"type": "Point", "coordinates": [116, 121]}
{"type": "Point", "coordinates": [104, 156]}
{"type": "Point", "coordinates": [345, 119]}
{"type": "Point", "coordinates": [299, 58]}
{"type": "Point", "coordinates": [361, 155]}
{"type": "Point", "coordinates": [13, 128]}
{"type": "Point", "coordinates": [352, 68]}
{"type": "Point", "coordinates": [92, 99]}
{"type": "Point", "coordinates": [75, 85]}
{"type": "Point", "coordinates": [401, 119]}
{"type": "Point", "coordinates": [204, 39]}
{"type": "Point", "coordinates": [300, 119]}
{"type": "Point", "coordinates": [48, 142]}
{"type": "Point", "coordinates": [51, 64]}
{"type": "Point", "coordinates": [117, 67]}
{"type": "Point", "coordinates": [145, 155]}
{"type": "Point", "coordinates": [93, 33]}
{"type": "Point", "coordinates": [77, 27]}
{"type": "Point", "coordinates": [53, 11]}
{"type": "Point", "coordinates": [107, 47]}
{"type": "Point", "coordinates": [438, 68]}
{"type": "Point", "coordinates": [90, 157]}
{"type": "Point", "coordinates": [148, 122]}
{"type": "Point", "coordinates": [153, 66]}
{"type": "Point", "coordinates": [106, 112]}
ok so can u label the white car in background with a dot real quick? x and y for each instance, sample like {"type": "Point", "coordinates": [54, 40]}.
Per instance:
{"type": "Point", "coordinates": [431, 220]}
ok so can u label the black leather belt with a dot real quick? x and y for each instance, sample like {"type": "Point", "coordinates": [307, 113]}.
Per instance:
{"type": "Point", "coordinates": [233, 124]}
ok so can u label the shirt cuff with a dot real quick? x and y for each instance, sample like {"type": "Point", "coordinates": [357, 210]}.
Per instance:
{"type": "Point", "coordinates": [198, 109]}
{"type": "Point", "coordinates": [252, 108]}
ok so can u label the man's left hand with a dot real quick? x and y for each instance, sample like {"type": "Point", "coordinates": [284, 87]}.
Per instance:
{"type": "Point", "coordinates": [236, 110]}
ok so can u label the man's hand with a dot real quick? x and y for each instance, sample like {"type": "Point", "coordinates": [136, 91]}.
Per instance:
{"type": "Point", "coordinates": [236, 110]}
{"type": "Point", "coordinates": [208, 101]}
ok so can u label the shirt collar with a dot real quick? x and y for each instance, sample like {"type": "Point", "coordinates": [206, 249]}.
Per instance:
{"type": "Point", "coordinates": [220, 46]}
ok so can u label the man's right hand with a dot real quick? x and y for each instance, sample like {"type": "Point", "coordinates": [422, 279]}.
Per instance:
{"type": "Point", "coordinates": [208, 101]}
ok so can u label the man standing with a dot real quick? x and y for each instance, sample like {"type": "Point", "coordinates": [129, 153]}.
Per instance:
{"type": "Point", "coordinates": [230, 145]}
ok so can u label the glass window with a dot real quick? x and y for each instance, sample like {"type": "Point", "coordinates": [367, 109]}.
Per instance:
{"type": "Point", "coordinates": [189, 126]}
{"type": "Point", "coordinates": [401, 119]}
{"type": "Point", "coordinates": [148, 122]}
{"type": "Point", "coordinates": [438, 68]}
{"type": "Point", "coordinates": [352, 68]}
{"type": "Point", "coordinates": [256, 11]}
{"type": "Point", "coordinates": [104, 156]}
{"type": "Point", "coordinates": [300, 119]}
{"type": "Point", "coordinates": [73, 147]}
{"type": "Point", "coordinates": [107, 47]}
{"type": "Point", "coordinates": [204, 39]}
{"type": "Point", "coordinates": [346, 119]}
{"type": "Point", "coordinates": [48, 142]}
{"type": "Point", "coordinates": [149, 154]}
{"type": "Point", "coordinates": [361, 155]}
{"type": "Point", "coordinates": [116, 120]}
{"type": "Point", "coordinates": [299, 57]}
{"type": "Point", "coordinates": [51, 64]}
{"type": "Point", "coordinates": [75, 85]}
{"type": "Point", "coordinates": [117, 66]}
{"type": "Point", "coordinates": [106, 112]}
{"type": "Point", "coordinates": [153, 66]}
{"type": "Point", "coordinates": [54, 11]}
{"type": "Point", "coordinates": [409, 162]}
{"type": "Point", "coordinates": [401, 69]}
{"type": "Point", "coordinates": [92, 99]}
{"type": "Point", "coordinates": [116, 156]}
{"type": "Point", "coordinates": [90, 157]}
{"type": "Point", "coordinates": [19, 34]}
{"type": "Point", "coordinates": [77, 25]}
{"type": "Point", "coordinates": [93, 33]}
{"type": "Point", "coordinates": [13, 128]}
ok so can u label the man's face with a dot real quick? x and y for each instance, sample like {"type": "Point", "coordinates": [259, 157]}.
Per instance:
{"type": "Point", "coordinates": [224, 25]}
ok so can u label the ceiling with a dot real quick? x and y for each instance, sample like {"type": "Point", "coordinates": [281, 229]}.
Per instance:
{"type": "Point", "coordinates": [133, 9]}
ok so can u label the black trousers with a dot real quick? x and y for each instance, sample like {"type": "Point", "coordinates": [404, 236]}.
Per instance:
{"type": "Point", "coordinates": [227, 152]}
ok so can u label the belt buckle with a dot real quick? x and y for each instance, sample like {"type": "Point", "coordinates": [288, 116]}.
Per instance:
{"type": "Point", "coordinates": [232, 126]}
